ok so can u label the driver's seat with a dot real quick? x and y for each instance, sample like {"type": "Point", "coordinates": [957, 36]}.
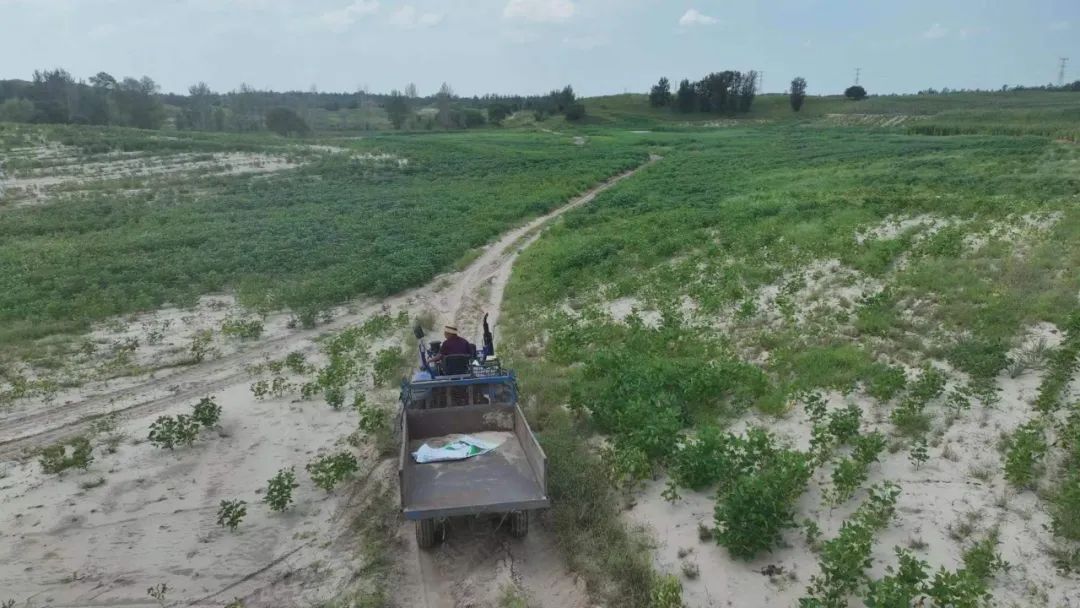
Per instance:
{"type": "Point", "coordinates": [456, 365]}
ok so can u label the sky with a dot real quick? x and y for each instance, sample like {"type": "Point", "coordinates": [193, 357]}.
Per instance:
{"type": "Point", "coordinates": [532, 46]}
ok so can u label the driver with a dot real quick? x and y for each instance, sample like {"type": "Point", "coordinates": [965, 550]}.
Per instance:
{"type": "Point", "coordinates": [453, 344]}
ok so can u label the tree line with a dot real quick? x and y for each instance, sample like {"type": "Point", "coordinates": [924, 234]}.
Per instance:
{"type": "Point", "coordinates": [54, 96]}
{"type": "Point", "coordinates": [727, 92]}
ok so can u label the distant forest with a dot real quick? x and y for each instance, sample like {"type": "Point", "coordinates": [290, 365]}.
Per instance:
{"type": "Point", "coordinates": [55, 96]}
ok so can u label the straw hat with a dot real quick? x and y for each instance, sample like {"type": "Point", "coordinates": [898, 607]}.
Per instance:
{"type": "Point", "coordinates": [450, 329]}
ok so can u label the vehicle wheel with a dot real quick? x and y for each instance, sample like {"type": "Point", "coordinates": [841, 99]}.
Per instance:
{"type": "Point", "coordinates": [426, 530]}
{"type": "Point", "coordinates": [519, 524]}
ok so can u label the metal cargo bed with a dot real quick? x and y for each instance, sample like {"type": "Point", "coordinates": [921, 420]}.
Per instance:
{"type": "Point", "coordinates": [513, 477]}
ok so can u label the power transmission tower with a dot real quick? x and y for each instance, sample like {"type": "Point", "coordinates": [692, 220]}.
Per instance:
{"type": "Point", "coordinates": [1061, 71]}
{"type": "Point", "coordinates": [858, 72]}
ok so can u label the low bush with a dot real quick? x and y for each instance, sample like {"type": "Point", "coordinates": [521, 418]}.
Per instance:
{"type": "Point", "coordinates": [910, 584]}
{"type": "Point", "coordinates": [207, 412]}
{"type": "Point", "coordinates": [297, 363]}
{"type": "Point", "coordinates": [279, 489]}
{"type": "Point", "coordinates": [845, 558]}
{"type": "Point", "coordinates": [752, 514]}
{"type": "Point", "coordinates": [850, 473]}
{"type": "Point", "coordinates": [388, 366]}
{"type": "Point", "coordinates": [247, 329]}
{"type": "Point", "coordinates": [373, 419]}
{"type": "Point", "coordinates": [73, 453]}
{"type": "Point", "coordinates": [910, 417]}
{"type": "Point", "coordinates": [1025, 449]}
{"type": "Point", "coordinates": [168, 431]}
{"type": "Point", "coordinates": [918, 454]}
{"type": "Point", "coordinates": [231, 512]}
{"type": "Point", "coordinates": [327, 471]}
{"type": "Point", "coordinates": [844, 423]}
{"type": "Point", "coordinates": [201, 345]}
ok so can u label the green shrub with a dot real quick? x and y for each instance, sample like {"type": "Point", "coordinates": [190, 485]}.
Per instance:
{"type": "Point", "coordinates": [201, 345]}
{"type": "Point", "coordinates": [279, 489]}
{"type": "Point", "coordinates": [335, 396]}
{"type": "Point", "coordinates": [751, 515]}
{"type": "Point", "coordinates": [884, 382]}
{"type": "Point", "coordinates": [168, 432]}
{"type": "Point", "coordinates": [844, 423]}
{"type": "Point", "coordinates": [1065, 507]}
{"type": "Point", "coordinates": [627, 465]}
{"type": "Point", "coordinates": [73, 453]}
{"type": "Point", "coordinates": [1025, 449]}
{"type": "Point", "coordinates": [981, 359]}
{"type": "Point", "coordinates": [918, 454]}
{"type": "Point", "coordinates": [247, 329]}
{"type": "Point", "coordinates": [373, 419]}
{"type": "Point", "coordinates": [910, 417]}
{"type": "Point", "coordinates": [327, 471]}
{"type": "Point", "coordinates": [850, 473]}
{"type": "Point", "coordinates": [207, 412]}
{"type": "Point", "coordinates": [845, 558]}
{"type": "Point", "coordinates": [388, 366]}
{"type": "Point", "coordinates": [231, 512]}
{"type": "Point", "coordinates": [297, 363]}
{"type": "Point", "coordinates": [901, 587]}
{"type": "Point", "coordinates": [928, 386]}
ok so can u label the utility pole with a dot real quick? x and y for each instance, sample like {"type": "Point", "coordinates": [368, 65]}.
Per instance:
{"type": "Point", "coordinates": [858, 72]}
{"type": "Point", "coordinates": [1061, 71]}
{"type": "Point", "coordinates": [761, 82]}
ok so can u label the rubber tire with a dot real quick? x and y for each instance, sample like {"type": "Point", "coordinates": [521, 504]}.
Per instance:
{"type": "Point", "coordinates": [519, 524]}
{"type": "Point", "coordinates": [426, 530]}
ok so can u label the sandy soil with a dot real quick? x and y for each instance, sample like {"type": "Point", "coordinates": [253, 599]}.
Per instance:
{"type": "Point", "coordinates": [68, 172]}
{"type": "Point", "coordinates": [74, 541]}
{"type": "Point", "coordinates": [963, 480]}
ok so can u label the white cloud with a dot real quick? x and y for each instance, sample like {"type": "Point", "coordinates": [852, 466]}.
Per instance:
{"type": "Point", "coordinates": [410, 18]}
{"type": "Point", "coordinates": [936, 31]}
{"type": "Point", "coordinates": [1060, 26]}
{"type": "Point", "coordinates": [548, 11]}
{"type": "Point", "coordinates": [693, 17]}
{"type": "Point", "coordinates": [341, 19]}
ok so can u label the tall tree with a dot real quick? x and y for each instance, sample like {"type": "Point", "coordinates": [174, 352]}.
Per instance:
{"type": "Point", "coordinates": [52, 93]}
{"type": "Point", "coordinates": [100, 106]}
{"type": "Point", "coordinates": [685, 97]}
{"type": "Point", "coordinates": [442, 102]}
{"type": "Point", "coordinates": [286, 122]}
{"type": "Point", "coordinates": [747, 90]}
{"type": "Point", "coordinates": [798, 93]}
{"type": "Point", "coordinates": [397, 109]}
{"type": "Point", "coordinates": [137, 103]}
{"type": "Point", "coordinates": [200, 112]}
{"type": "Point", "coordinates": [855, 92]}
{"type": "Point", "coordinates": [410, 91]}
{"type": "Point", "coordinates": [660, 95]}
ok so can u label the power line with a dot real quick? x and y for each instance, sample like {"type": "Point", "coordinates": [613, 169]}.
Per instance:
{"type": "Point", "coordinates": [1061, 71]}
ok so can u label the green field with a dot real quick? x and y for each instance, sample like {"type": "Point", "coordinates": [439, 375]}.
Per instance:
{"type": "Point", "coordinates": [766, 267]}
{"type": "Point", "coordinates": [340, 224]}
{"type": "Point", "coordinates": [814, 327]}
{"type": "Point", "coordinates": [1044, 113]}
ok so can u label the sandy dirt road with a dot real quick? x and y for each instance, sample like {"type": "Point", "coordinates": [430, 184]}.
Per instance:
{"type": "Point", "coordinates": [141, 516]}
